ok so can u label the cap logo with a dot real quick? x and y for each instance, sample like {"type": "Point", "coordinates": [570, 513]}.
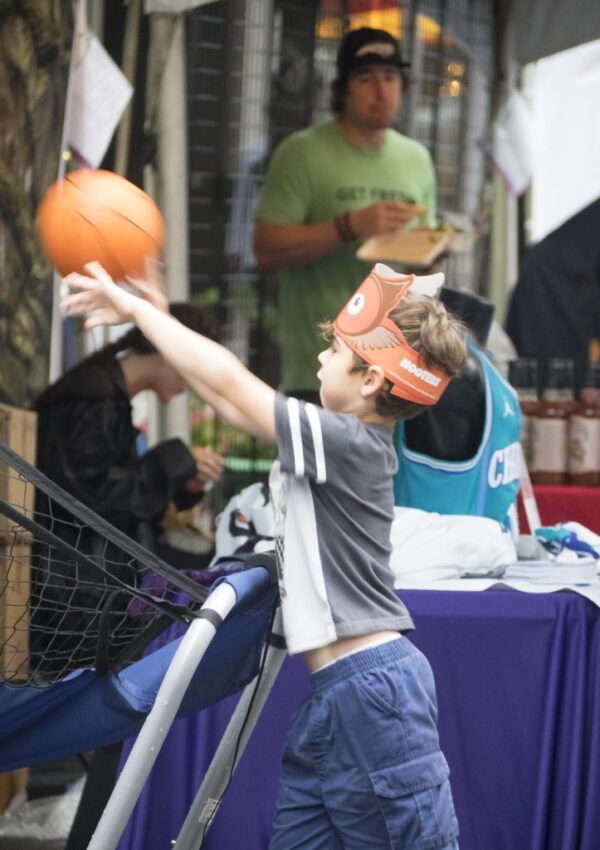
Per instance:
{"type": "Point", "coordinates": [381, 48]}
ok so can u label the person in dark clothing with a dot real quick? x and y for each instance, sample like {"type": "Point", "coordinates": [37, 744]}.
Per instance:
{"type": "Point", "coordinates": [87, 442]}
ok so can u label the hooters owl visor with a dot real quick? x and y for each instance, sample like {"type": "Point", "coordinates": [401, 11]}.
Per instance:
{"type": "Point", "coordinates": [365, 326]}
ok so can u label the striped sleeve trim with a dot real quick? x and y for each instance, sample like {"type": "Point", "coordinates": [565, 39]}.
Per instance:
{"type": "Point", "coordinates": [317, 437]}
{"type": "Point", "coordinates": [296, 435]}
{"type": "Point", "coordinates": [302, 438]}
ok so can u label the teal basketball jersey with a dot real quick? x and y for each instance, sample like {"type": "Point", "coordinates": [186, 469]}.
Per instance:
{"type": "Point", "coordinates": [488, 483]}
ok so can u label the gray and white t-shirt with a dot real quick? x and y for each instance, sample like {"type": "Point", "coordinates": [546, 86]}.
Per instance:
{"type": "Point", "coordinates": [333, 499]}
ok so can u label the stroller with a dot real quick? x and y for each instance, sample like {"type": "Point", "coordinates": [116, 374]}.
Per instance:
{"type": "Point", "coordinates": [101, 643]}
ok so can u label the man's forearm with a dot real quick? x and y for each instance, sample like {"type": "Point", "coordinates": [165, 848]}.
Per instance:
{"type": "Point", "coordinates": [279, 246]}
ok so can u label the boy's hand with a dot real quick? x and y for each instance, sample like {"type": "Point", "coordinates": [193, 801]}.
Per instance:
{"type": "Point", "coordinates": [151, 287]}
{"type": "Point", "coordinates": [97, 293]}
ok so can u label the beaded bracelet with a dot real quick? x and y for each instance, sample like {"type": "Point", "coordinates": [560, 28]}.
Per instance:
{"type": "Point", "coordinates": [344, 228]}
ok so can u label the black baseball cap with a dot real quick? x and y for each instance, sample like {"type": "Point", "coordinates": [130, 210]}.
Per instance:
{"type": "Point", "coordinates": [367, 46]}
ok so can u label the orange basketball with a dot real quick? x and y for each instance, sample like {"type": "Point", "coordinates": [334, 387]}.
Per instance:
{"type": "Point", "coordinates": [97, 215]}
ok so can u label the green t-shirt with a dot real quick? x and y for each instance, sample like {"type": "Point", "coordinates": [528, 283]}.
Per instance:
{"type": "Point", "coordinates": [314, 175]}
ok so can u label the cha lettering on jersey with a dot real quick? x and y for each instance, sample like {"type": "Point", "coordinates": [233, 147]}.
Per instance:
{"type": "Point", "coordinates": [504, 466]}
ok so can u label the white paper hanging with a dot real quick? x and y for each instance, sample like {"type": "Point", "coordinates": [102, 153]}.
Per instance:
{"type": "Point", "coordinates": [100, 94]}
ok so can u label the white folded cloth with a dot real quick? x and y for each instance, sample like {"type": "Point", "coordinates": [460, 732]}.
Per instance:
{"type": "Point", "coordinates": [447, 545]}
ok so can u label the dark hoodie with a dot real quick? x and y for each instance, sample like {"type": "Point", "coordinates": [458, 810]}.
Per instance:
{"type": "Point", "coordinates": [87, 445]}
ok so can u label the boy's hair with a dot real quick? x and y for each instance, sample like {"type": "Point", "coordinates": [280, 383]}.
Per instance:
{"type": "Point", "coordinates": [433, 332]}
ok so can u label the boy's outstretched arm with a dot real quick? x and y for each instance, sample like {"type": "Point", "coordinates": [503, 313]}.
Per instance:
{"type": "Point", "coordinates": [238, 395]}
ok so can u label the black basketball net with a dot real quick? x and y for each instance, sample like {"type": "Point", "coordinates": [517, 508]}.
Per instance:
{"type": "Point", "coordinates": [75, 591]}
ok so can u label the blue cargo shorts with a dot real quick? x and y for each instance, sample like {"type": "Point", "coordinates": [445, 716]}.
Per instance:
{"type": "Point", "coordinates": [362, 766]}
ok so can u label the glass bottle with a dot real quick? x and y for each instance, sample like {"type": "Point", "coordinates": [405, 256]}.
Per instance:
{"type": "Point", "coordinates": [522, 375]}
{"type": "Point", "coordinates": [550, 425]}
{"type": "Point", "coordinates": [594, 349]}
{"type": "Point", "coordinates": [584, 431]}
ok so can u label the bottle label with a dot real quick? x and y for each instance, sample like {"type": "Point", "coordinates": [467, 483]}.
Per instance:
{"type": "Point", "coordinates": [549, 445]}
{"type": "Point", "coordinates": [558, 394]}
{"type": "Point", "coordinates": [584, 445]}
{"type": "Point", "coordinates": [591, 395]}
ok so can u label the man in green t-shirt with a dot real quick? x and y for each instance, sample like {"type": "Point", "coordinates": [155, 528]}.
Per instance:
{"type": "Point", "coordinates": [335, 183]}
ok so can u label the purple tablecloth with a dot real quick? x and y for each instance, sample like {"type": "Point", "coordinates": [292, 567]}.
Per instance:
{"type": "Point", "coordinates": [518, 682]}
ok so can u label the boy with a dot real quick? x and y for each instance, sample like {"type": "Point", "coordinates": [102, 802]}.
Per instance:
{"type": "Point", "coordinates": [362, 766]}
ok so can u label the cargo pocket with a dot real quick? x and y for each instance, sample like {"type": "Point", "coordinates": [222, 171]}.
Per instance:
{"type": "Point", "coordinates": [416, 803]}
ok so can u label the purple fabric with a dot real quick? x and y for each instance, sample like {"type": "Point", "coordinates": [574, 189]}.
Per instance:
{"type": "Point", "coordinates": [519, 695]}
{"type": "Point", "coordinates": [158, 587]}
